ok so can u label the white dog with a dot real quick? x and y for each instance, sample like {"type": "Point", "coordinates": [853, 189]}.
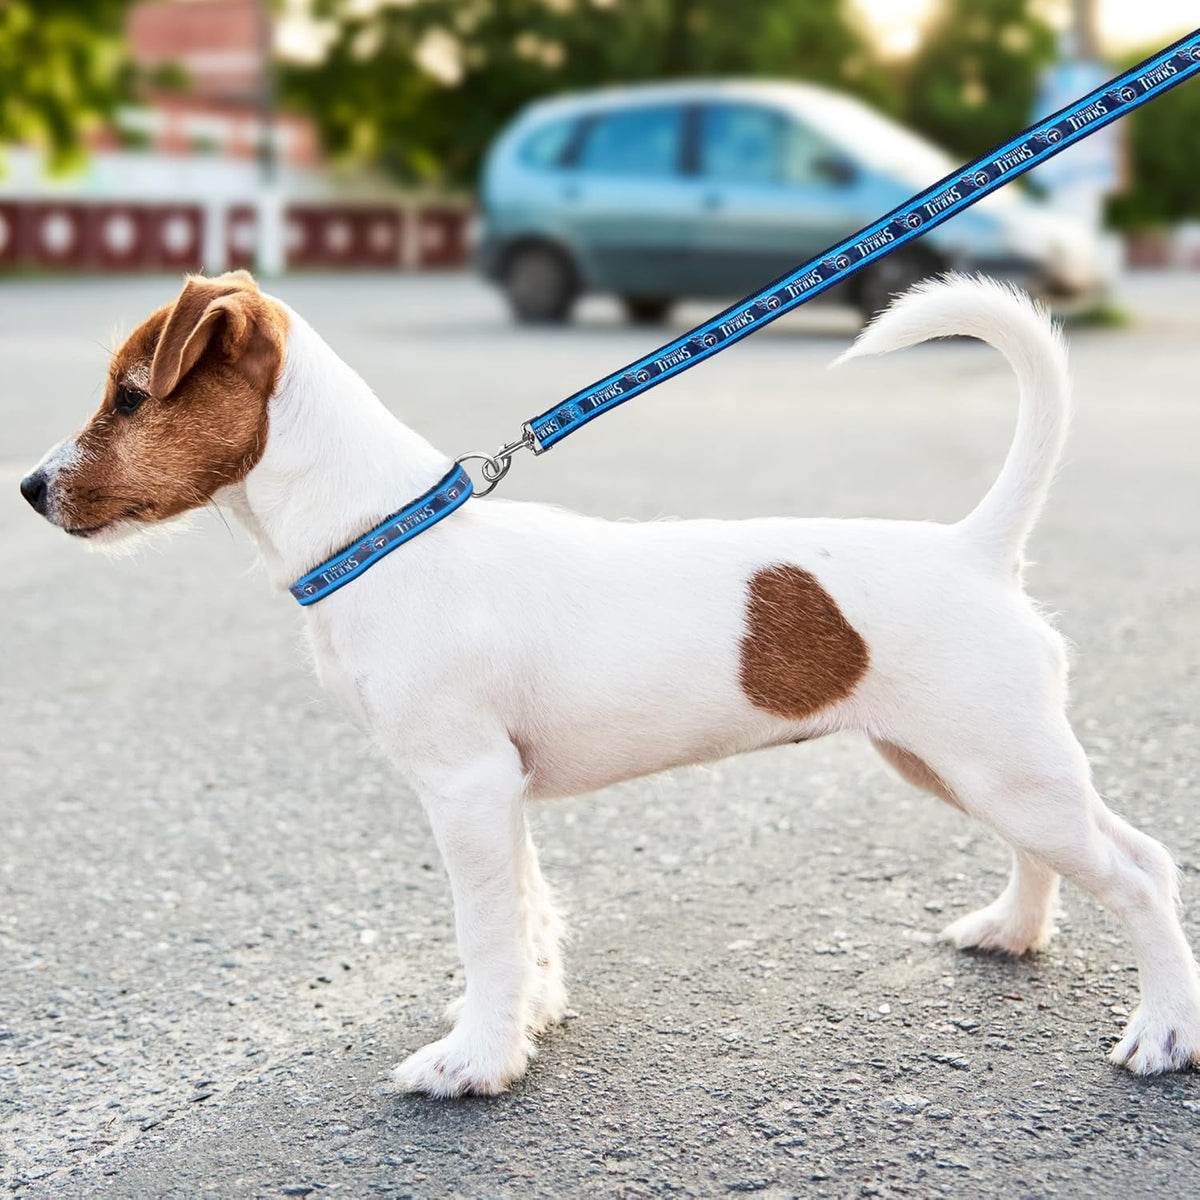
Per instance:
{"type": "Point", "coordinates": [686, 641]}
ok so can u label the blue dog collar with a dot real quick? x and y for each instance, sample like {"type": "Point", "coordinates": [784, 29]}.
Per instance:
{"type": "Point", "coordinates": [347, 564]}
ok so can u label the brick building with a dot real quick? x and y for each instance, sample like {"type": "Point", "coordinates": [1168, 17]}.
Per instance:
{"type": "Point", "coordinates": [220, 48]}
{"type": "Point", "coordinates": [179, 181]}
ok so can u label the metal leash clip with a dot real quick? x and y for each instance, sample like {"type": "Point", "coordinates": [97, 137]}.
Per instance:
{"type": "Point", "coordinates": [496, 466]}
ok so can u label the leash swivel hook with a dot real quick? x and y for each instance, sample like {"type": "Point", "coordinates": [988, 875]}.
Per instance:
{"type": "Point", "coordinates": [496, 466]}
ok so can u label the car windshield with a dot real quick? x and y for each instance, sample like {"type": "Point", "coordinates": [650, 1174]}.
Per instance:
{"type": "Point", "coordinates": [885, 144]}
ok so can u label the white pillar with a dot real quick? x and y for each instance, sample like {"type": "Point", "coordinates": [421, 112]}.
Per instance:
{"type": "Point", "coordinates": [214, 237]}
{"type": "Point", "coordinates": [272, 236]}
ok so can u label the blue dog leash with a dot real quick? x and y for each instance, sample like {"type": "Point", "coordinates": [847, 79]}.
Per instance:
{"type": "Point", "coordinates": [946, 198]}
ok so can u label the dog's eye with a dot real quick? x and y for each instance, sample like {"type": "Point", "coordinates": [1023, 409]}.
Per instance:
{"type": "Point", "coordinates": [127, 400]}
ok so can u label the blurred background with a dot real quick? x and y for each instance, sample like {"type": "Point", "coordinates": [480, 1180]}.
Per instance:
{"type": "Point", "coordinates": [213, 944]}
{"type": "Point", "coordinates": [397, 135]}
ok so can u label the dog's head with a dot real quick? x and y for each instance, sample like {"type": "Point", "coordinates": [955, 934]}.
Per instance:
{"type": "Point", "coordinates": [184, 414]}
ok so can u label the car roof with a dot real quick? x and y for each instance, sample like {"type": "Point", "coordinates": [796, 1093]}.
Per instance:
{"type": "Point", "coordinates": [779, 91]}
{"type": "Point", "coordinates": [845, 120]}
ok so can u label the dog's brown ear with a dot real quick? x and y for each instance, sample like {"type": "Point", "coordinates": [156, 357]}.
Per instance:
{"type": "Point", "coordinates": [230, 307]}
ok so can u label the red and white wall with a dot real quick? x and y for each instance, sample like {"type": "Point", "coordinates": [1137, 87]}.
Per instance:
{"type": "Point", "coordinates": [148, 211]}
{"type": "Point", "coordinates": [128, 235]}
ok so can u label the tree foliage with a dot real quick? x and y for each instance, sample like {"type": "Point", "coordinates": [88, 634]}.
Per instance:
{"type": "Point", "coordinates": [974, 78]}
{"type": "Point", "coordinates": [61, 64]}
{"type": "Point", "coordinates": [1164, 172]}
{"type": "Point", "coordinates": [423, 86]}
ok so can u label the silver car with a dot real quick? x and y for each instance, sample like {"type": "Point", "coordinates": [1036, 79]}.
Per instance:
{"type": "Point", "coordinates": [713, 189]}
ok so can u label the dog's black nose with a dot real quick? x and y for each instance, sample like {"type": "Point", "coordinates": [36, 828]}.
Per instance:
{"type": "Point", "coordinates": [33, 488]}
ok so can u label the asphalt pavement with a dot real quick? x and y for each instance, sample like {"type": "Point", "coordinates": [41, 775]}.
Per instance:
{"type": "Point", "coordinates": [212, 950]}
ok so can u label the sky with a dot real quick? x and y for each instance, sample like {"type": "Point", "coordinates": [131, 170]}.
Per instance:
{"type": "Point", "coordinates": [1124, 24]}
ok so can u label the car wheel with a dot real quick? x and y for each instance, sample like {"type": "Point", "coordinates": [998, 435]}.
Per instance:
{"type": "Point", "coordinates": [882, 283]}
{"type": "Point", "coordinates": [647, 310]}
{"type": "Point", "coordinates": [540, 285]}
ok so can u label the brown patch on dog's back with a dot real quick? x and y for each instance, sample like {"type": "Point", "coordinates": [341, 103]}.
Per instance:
{"type": "Point", "coordinates": [799, 654]}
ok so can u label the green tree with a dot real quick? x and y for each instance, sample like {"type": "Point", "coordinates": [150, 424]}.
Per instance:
{"type": "Point", "coordinates": [62, 68]}
{"type": "Point", "coordinates": [423, 87]}
{"type": "Point", "coordinates": [653, 39]}
{"type": "Point", "coordinates": [1164, 173]}
{"type": "Point", "coordinates": [974, 79]}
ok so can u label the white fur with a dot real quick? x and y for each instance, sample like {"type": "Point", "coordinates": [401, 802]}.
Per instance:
{"type": "Point", "coordinates": [57, 461]}
{"type": "Point", "coordinates": [1004, 518]}
{"type": "Point", "coordinates": [518, 651]}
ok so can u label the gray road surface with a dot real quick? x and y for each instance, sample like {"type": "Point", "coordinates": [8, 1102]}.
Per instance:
{"type": "Point", "coordinates": [212, 949]}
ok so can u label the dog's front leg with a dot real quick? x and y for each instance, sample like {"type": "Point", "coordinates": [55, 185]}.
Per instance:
{"type": "Point", "coordinates": [478, 822]}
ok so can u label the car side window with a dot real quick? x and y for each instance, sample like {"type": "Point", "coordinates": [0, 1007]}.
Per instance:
{"type": "Point", "coordinates": [804, 156]}
{"type": "Point", "coordinates": [740, 144]}
{"type": "Point", "coordinates": [547, 145]}
{"type": "Point", "coordinates": [634, 141]}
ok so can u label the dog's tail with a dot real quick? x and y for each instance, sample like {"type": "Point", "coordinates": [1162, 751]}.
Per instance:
{"type": "Point", "coordinates": [1025, 335]}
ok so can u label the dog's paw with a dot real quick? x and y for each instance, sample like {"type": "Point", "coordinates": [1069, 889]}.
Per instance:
{"type": "Point", "coordinates": [1153, 1043]}
{"type": "Point", "coordinates": [461, 1066]}
{"type": "Point", "coordinates": [998, 931]}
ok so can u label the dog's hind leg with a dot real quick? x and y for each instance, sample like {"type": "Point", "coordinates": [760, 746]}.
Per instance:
{"type": "Point", "coordinates": [915, 770]}
{"type": "Point", "coordinates": [1036, 792]}
{"type": "Point", "coordinates": [1020, 918]}
{"type": "Point", "coordinates": [478, 820]}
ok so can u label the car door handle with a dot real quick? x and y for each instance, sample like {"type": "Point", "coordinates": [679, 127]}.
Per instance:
{"type": "Point", "coordinates": [711, 201]}
{"type": "Point", "coordinates": [571, 191]}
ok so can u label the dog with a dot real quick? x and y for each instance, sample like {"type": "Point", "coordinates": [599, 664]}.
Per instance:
{"type": "Point", "coordinates": [688, 641]}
